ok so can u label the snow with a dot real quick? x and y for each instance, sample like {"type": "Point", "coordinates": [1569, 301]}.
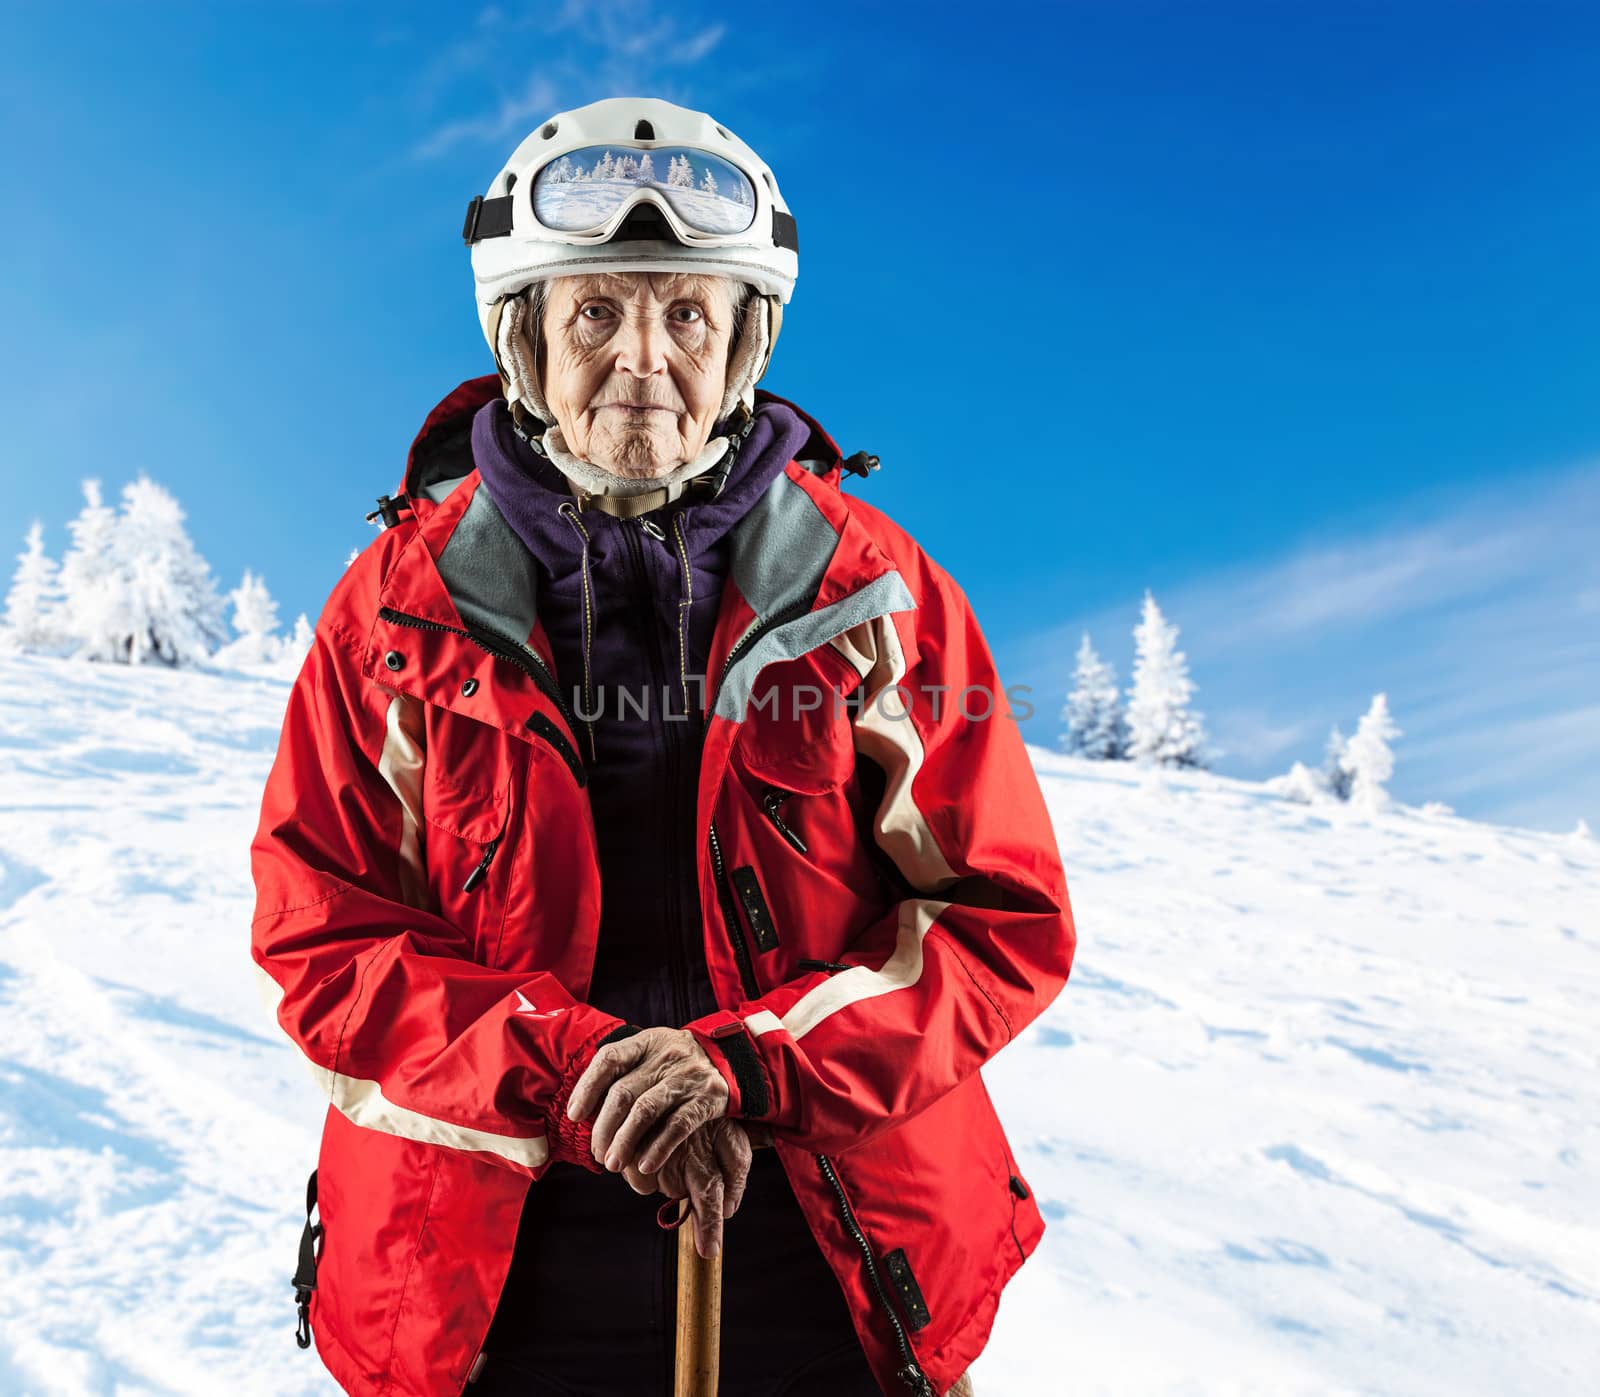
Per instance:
{"type": "Point", "coordinates": [1317, 1112]}
{"type": "Point", "coordinates": [590, 202]}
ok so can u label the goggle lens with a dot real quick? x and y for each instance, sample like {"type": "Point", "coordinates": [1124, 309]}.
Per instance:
{"type": "Point", "coordinates": [581, 190]}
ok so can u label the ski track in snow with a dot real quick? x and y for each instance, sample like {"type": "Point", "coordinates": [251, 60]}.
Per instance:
{"type": "Point", "coordinates": [1317, 1112]}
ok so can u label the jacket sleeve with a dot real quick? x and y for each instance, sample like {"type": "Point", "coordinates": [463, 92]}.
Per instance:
{"type": "Point", "coordinates": [405, 1032]}
{"type": "Point", "coordinates": [982, 941]}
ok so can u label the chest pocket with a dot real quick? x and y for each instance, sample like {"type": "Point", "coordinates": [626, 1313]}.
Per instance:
{"type": "Point", "coordinates": [471, 789]}
{"type": "Point", "coordinates": [468, 778]}
{"type": "Point", "coordinates": [797, 729]}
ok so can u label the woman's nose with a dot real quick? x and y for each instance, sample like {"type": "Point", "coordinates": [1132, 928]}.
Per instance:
{"type": "Point", "coordinates": [641, 346]}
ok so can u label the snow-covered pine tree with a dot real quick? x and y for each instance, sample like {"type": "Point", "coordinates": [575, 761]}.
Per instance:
{"type": "Point", "coordinates": [95, 618]}
{"type": "Point", "coordinates": [33, 605]}
{"type": "Point", "coordinates": [708, 181]}
{"type": "Point", "coordinates": [604, 167]}
{"type": "Point", "coordinates": [176, 615]}
{"type": "Point", "coordinates": [627, 167]}
{"type": "Point", "coordinates": [292, 652]}
{"type": "Point", "coordinates": [1336, 764]}
{"type": "Point", "coordinates": [1093, 711]}
{"type": "Point", "coordinates": [1301, 784]}
{"type": "Point", "coordinates": [1162, 729]}
{"type": "Point", "coordinates": [1369, 758]}
{"type": "Point", "coordinates": [681, 173]}
{"type": "Point", "coordinates": [255, 618]}
{"type": "Point", "coordinates": [645, 172]}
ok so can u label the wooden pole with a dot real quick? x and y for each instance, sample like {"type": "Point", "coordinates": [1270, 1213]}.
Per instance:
{"type": "Point", "coordinates": [699, 1315]}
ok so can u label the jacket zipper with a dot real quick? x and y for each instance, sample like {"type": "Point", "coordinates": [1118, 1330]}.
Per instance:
{"type": "Point", "coordinates": [748, 639]}
{"type": "Point", "coordinates": [482, 868]}
{"type": "Point", "coordinates": [730, 921]}
{"type": "Point", "coordinates": [773, 797]}
{"type": "Point", "coordinates": [544, 726]}
{"type": "Point", "coordinates": [501, 646]}
{"type": "Point", "coordinates": [908, 1372]}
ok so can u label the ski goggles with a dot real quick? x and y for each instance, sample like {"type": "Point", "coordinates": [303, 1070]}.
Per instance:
{"type": "Point", "coordinates": [588, 191]}
{"type": "Point", "coordinates": [586, 194]}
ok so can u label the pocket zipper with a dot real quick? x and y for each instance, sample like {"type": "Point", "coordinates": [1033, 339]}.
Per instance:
{"type": "Point", "coordinates": [482, 868]}
{"type": "Point", "coordinates": [771, 799]}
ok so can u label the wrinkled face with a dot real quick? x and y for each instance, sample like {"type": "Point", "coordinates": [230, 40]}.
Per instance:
{"type": "Point", "coordinates": [635, 365]}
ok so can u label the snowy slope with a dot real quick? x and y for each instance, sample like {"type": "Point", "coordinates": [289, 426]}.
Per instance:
{"type": "Point", "coordinates": [1317, 1113]}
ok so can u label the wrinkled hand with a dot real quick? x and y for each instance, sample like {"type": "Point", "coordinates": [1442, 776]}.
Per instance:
{"type": "Point", "coordinates": [658, 1087]}
{"type": "Point", "coordinates": [709, 1169]}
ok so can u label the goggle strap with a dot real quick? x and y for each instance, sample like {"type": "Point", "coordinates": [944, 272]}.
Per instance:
{"type": "Point", "coordinates": [487, 218]}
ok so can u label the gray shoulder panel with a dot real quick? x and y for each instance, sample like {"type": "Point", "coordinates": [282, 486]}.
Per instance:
{"type": "Point", "coordinates": [805, 633]}
{"type": "Point", "coordinates": [490, 574]}
{"type": "Point", "coordinates": [781, 549]}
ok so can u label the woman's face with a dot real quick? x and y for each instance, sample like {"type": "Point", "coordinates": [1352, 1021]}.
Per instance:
{"type": "Point", "coordinates": [635, 366]}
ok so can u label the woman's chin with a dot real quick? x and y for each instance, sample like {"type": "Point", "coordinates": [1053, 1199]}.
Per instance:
{"type": "Point", "coordinates": [639, 456]}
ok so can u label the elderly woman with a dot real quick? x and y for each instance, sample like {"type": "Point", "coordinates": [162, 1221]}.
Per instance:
{"type": "Point", "coordinates": [646, 798]}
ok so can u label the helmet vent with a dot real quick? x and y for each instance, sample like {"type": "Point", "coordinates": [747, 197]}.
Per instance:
{"type": "Point", "coordinates": [511, 180]}
{"type": "Point", "coordinates": [767, 176]}
{"type": "Point", "coordinates": [644, 131]}
{"type": "Point", "coordinates": [725, 136]}
{"type": "Point", "coordinates": [548, 129]}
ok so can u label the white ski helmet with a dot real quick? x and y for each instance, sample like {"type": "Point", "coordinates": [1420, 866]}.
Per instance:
{"type": "Point", "coordinates": [584, 193]}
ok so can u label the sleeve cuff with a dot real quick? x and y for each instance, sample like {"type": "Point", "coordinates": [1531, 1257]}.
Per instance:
{"type": "Point", "coordinates": [727, 1042]}
{"type": "Point", "coordinates": [570, 1140]}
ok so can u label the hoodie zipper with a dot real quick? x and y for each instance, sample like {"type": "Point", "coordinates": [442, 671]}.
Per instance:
{"type": "Point", "coordinates": [908, 1372]}
{"type": "Point", "coordinates": [672, 756]}
{"type": "Point", "coordinates": [501, 646]}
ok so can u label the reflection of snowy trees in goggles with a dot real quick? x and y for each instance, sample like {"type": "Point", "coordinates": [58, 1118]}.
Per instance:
{"type": "Point", "coordinates": [579, 191]}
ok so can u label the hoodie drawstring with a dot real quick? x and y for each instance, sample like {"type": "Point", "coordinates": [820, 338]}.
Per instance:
{"type": "Point", "coordinates": [568, 511]}
{"type": "Point", "coordinates": [685, 601]}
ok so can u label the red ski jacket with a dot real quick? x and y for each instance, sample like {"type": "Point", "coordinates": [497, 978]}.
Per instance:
{"type": "Point", "coordinates": [883, 902]}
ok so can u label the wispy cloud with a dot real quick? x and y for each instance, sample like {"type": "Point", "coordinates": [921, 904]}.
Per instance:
{"type": "Point", "coordinates": [1476, 616]}
{"type": "Point", "coordinates": [696, 47]}
{"type": "Point", "coordinates": [513, 117]}
{"type": "Point", "coordinates": [584, 50]}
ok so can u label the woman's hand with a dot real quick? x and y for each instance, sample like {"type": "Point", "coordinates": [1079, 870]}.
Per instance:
{"type": "Point", "coordinates": [658, 1088]}
{"type": "Point", "coordinates": [709, 1169]}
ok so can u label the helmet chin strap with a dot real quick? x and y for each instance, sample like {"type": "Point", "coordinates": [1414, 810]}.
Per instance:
{"type": "Point", "coordinates": [597, 485]}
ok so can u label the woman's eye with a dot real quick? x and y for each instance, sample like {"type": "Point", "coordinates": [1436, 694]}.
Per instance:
{"type": "Point", "coordinates": [693, 312]}
{"type": "Point", "coordinates": [586, 309]}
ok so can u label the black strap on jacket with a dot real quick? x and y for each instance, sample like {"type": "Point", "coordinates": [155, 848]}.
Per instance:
{"type": "Point", "coordinates": [305, 1274]}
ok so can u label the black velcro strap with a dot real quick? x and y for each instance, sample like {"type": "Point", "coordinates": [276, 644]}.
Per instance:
{"type": "Point", "coordinates": [486, 218]}
{"type": "Point", "coordinates": [906, 1287]}
{"type": "Point", "coordinates": [785, 232]}
{"type": "Point", "coordinates": [756, 913]}
{"type": "Point", "coordinates": [305, 1272]}
{"type": "Point", "coordinates": [620, 1032]}
{"type": "Point", "coordinates": [736, 1046]}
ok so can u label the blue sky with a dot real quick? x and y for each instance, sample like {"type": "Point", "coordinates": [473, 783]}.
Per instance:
{"type": "Point", "coordinates": [1289, 312]}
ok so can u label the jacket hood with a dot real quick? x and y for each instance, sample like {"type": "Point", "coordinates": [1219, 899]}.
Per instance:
{"type": "Point", "coordinates": [441, 452]}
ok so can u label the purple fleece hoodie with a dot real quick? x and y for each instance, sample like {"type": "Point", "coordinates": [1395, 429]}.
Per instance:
{"type": "Point", "coordinates": [590, 1301]}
